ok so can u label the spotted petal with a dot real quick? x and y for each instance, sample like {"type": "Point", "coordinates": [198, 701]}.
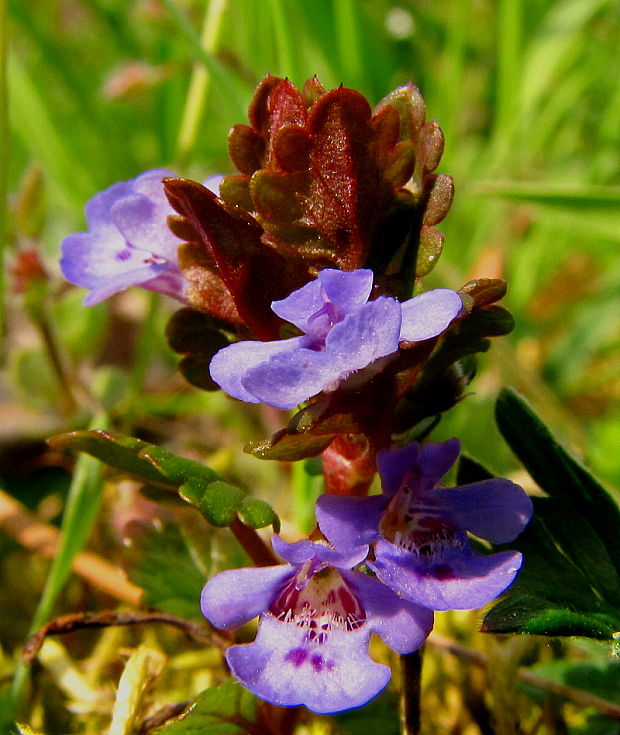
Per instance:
{"type": "Point", "coordinates": [286, 669]}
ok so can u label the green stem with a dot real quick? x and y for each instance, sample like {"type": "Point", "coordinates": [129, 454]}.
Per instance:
{"type": "Point", "coordinates": [41, 319]}
{"type": "Point", "coordinates": [200, 82]}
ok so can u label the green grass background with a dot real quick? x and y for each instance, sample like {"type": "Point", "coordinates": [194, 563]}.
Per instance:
{"type": "Point", "coordinates": [527, 93]}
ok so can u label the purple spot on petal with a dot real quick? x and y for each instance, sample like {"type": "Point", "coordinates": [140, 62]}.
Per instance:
{"type": "Point", "coordinates": [317, 662]}
{"type": "Point", "coordinates": [443, 571]}
{"type": "Point", "coordinates": [296, 656]}
{"type": "Point", "coordinates": [123, 254]}
{"type": "Point", "coordinates": [154, 260]}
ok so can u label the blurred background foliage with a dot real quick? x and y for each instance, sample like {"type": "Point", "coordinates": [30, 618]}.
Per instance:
{"type": "Point", "coordinates": [98, 91]}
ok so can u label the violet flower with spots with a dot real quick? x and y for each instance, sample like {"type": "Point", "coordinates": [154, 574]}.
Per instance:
{"type": "Point", "coordinates": [420, 530]}
{"type": "Point", "coordinates": [344, 333]}
{"type": "Point", "coordinates": [316, 618]}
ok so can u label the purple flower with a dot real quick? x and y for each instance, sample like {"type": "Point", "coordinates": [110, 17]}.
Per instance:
{"type": "Point", "coordinates": [343, 333]}
{"type": "Point", "coordinates": [419, 530]}
{"type": "Point", "coordinates": [316, 618]}
{"type": "Point", "coordinates": [128, 242]}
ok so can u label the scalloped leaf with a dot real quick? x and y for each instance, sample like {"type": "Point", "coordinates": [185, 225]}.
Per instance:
{"type": "Point", "coordinates": [219, 501]}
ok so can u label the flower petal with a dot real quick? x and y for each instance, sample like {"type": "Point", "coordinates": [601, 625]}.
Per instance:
{"type": "Point", "coordinates": [348, 521]}
{"type": "Point", "coordinates": [230, 365]}
{"type": "Point", "coordinates": [392, 465]}
{"type": "Point", "coordinates": [97, 208]}
{"type": "Point", "coordinates": [142, 222]}
{"type": "Point", "coordinates": [421, 466]}
{"type": "Point", "coordinates": [403, 625]}
{"type": "Point", "coordinates": [496, 509]}
{"type": "Point", "coordinates": [347, 290]}
{"type": "Point", "coordinates": [466, 583]}
{"type": "Point", "coordinates": [363, 336]}
{"type": "Point", "coordinates": [429, 314]}
{"type": "Point", "coordinates": [104, 265]}
{"type": "Point", "coordinates": [299, 307]}
{"type": "Point", "coordinates": [301, 551]}
{"type": "Point", "coordinates": [282, 667]}
{"type": "Point", "coordinates": [291, 377]}
{"type": "Point", "coordinates": [434, 461]}
{"type": "Point", "coordinates": [128, 242]}
{"type": "Point", "coordinates": [231, 598]}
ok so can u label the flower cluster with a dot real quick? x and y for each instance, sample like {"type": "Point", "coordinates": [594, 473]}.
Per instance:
{"type": "Point", "coordinates": [303, 264]}
{"type": "Point", "coordinates": [316, 616]}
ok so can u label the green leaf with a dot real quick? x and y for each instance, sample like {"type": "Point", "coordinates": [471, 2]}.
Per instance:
{"type": "Point", "coordinates": [219, 501]}
{"type": "Point", "coordinates": [160, 561]}
{"type": "Point", "coordinates": [379, 716]}
{"type": "Point", "coordinates": [569, 583]}
{"type": "Point", "coordinates": [228, 709]}
{"type": "Point", "coordinates": [556, 471]}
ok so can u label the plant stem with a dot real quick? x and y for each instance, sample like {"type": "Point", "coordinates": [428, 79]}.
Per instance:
{"type": "Point", "coordinates": [253, 544]}
{"type": "Point", "coordinates": [411, 688]}
{"type": "Point", "coordinates": [66, 397]}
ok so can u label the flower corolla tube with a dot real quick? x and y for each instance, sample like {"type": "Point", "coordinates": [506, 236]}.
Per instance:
{"type": "Point", "coordinates": [419, 531]}
{"type": "Point", "coordinates": [343, 332]}
{"type": "Point", "coordinates": [316, 619]}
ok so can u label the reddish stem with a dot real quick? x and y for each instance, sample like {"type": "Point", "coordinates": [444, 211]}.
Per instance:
{"type": "Point", "coordinates": [253, 545]}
